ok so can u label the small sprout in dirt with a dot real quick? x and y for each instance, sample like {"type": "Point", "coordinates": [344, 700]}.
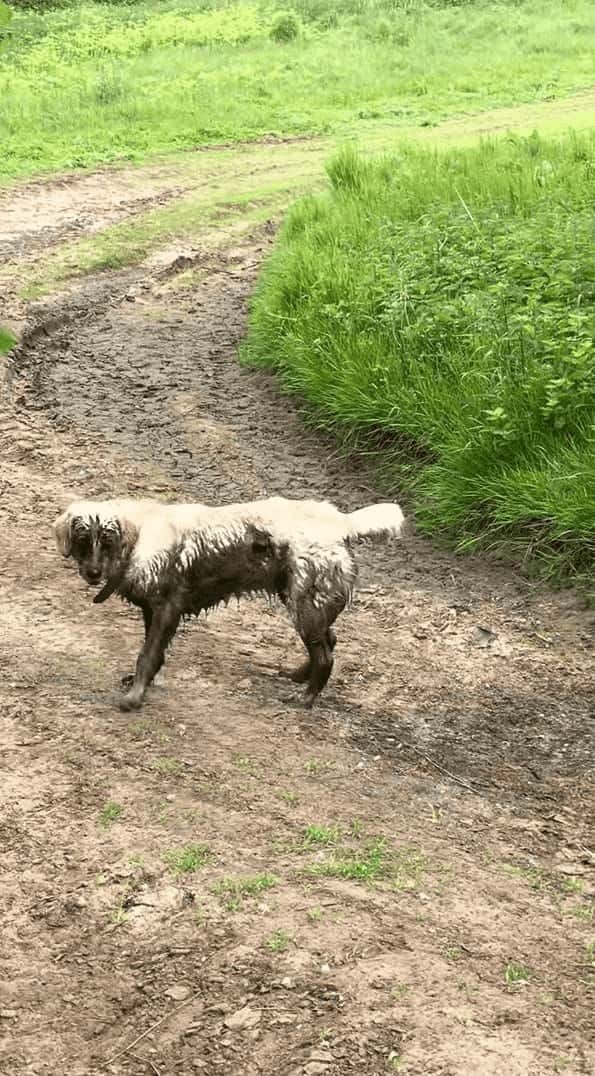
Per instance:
{"type": "Point", "coordinates": [572, 885]}
{"type": "Point", "coordinates": [314, 914]}
{"type": "Point", "coordinates": [453, 953]}
{"type": "Point", "coordinates": [314, 766]}
{"type": "Point", "coordinates": [166, 765]}
{"type": "Point", "coordinates": [561, 1063]}
{"type": "Point", "coordinates": [290, 797]}
{"type": "Point", "coordinates": [119, 916]}
{"type": "Point", "coordinates": [139, 728]}
{"type": "Point", "coordinates": [516, 974]}
{"type": "Point", "coordinates": [136, 860]}
{"type": "Point", "coordinates": [395, 1061]}
{"type": "Point", "coordinates": [590, 952]}
{"type": "Point", "coordinates": [244, 762]}
{"type": "Point", "coordinates": [234, 890]}
{"type": "Point", "coordinates": [532, 875]}
{"type": "Point", "coordinates": [110, 813]}
{"type": "Point", "coordinates": [320, 835]}
{"type": "Point", "coordinates": [189, 859]}
{"type": "Point", "coordinates": [279, 941]}
{"type": "Point", "coordinates": [325, 1034]}
{"type": "Point", "coordinates": [356, 828]}
{"type": "Point", "coordinates": [400, 991]}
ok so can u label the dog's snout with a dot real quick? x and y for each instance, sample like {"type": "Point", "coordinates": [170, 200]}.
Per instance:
{"type": "Point", "coordinates": [93, 575]}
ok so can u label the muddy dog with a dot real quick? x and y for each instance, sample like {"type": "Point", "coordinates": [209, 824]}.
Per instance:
{"type": "Point", "coordinates": [176, 560]}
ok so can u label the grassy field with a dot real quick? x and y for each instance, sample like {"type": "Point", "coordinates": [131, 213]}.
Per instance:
{"type": "Point", "coordinates": [86, 84]}
{"type": "Point", "coordinates": [445, 299]}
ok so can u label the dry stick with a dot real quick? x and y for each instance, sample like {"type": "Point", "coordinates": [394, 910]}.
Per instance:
{"type": "Point", "coordinates": [146, 1061]}
{"type": "Point", "coordinates": [459, 780]}
{"type": "Point", "coordinates": [128, 1048]}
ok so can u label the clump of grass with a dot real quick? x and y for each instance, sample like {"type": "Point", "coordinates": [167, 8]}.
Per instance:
{"type": "Point", "coordinates": [279, 941]}
{"type": "Point", "coordinates": [516, 974]}
{"type": "Point", "coordinates": [110, 813]}
{"type": "Point", "coordinates": [189, 859]}
{"type": "Point", "coordinates": [372, 861]}
{"type": "Point", "coordinates": [314, 835]}
{"type": "Point", "coordinates": [234, 891]}
{"type": "Point", "coordinates": [166, 765]}
{"type": "Point", "coordinates": [438, 306]}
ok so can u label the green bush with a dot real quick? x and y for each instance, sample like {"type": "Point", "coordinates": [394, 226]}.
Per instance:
{"type": "Point", "coordinates": [446, 300]}
{"type": "Point", "coordinates": [285, 28]}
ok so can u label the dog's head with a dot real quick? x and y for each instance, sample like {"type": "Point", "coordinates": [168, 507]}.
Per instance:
{"type": "Point", "coordinates": [98, 539]}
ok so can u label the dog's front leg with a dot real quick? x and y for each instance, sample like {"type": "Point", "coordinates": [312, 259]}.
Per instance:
{"type": "Point", "coordinates": [128, 680]}
{"type": "Point", "coordinates": [163, 627]}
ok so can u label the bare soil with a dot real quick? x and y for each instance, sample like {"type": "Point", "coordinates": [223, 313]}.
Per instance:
{"type": "Point", "coordinates": [450, 756]}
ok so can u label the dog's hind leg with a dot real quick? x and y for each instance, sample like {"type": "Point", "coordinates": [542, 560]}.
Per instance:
{"type": "Point", "coordinates": [313, 622]}
{"type": "Point", "coordinates": [164, 625]}
{"type": "Point", "coordinates": [128, 680]}
{"type": "Point", "coordinates": [301, 675]}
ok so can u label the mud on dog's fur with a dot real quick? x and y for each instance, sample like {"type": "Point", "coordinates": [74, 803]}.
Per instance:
{"type": "Point", "coordinates": [176, 560]}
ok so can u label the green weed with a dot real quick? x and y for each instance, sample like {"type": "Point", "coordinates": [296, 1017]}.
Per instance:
{"type": "Point", "coordinates": [188, 860]}
{"type": "Point", "coordinates": [516, 974]}
{"type": "Point", "coordinates": [320, 835]}
{"type": "Point", "coordinates": [110, 813]}
{"type": "Point", "coordinates": [233, 891]}
{"type": "Point", "coordinates": [437, 306]}
{"type": "Point", "coordinates": [279, 941]}
{"type": "Point", "coordinates": [166, 765]}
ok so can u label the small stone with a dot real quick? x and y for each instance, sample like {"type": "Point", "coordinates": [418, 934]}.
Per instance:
{"type": "Point", "coordinates": [243, 1018]}
{"type": "Point", "coordinates": [287, 982]}
{"type": "Point", "coordinates": [245, 683]}
{"type": "Point", "coordinates": [315, 1068]}
{"type": "Point", "coordinates": [8, 1014]}
{"type": "Point", "coordinates": [178, 992]}
{"type": "Point", "coordinates": [325, 968]}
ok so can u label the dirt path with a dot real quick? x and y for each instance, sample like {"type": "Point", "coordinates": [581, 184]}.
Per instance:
{"type": "Point", "coordinates": [400, 881]}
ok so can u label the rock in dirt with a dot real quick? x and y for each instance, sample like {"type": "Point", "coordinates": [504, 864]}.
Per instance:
{"type": "Point", "coordinates": [243, 1019]}
{"type": "Point", "coordinates": [178, 992]}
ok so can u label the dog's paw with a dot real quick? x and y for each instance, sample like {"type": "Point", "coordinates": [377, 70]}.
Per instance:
{"type": "Point", "coordinates": [130, 702]}
{"type": "Point", "coordinates": [128, 680]}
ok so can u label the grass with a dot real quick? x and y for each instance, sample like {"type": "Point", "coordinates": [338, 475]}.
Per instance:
{"type": "Point", "coordinates": [314, 835]}
{"type": "Point", "coordinates": [110, 813]}
{"type": "Point", "coordinates": [189, 859]}
{"type": "Point", "coordinates": [7, 341]}
{"type": "Point", "coordinates": [516, 974]}
{"type": "Point", "coordinates": [279, 941]}
{"type": "Point", "coordinates": [436, 307]}
{"type": "Point", "coordinates": [372, 861]}
{"type": "Point", "coordinates": [234, 891]}
{"type": "Point", "coordinates": [89, 84]}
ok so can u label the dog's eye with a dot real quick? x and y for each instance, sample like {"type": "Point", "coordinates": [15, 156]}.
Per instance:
{"type": "Point", "coordinates": [109, 539]}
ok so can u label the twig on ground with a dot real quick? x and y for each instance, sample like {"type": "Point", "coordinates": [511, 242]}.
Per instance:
{"type": "Point", "coordinates": [437, 766]}
{"type": "Point", "coordinates": [146, 1061]}
{"type": "Point", "coordinates": [127, 1049]}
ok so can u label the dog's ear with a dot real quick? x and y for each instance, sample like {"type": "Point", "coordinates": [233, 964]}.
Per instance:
{"type": "Point", "coordinates": [129, 536]}
{"type": "Point", "coordinates": [63, 533]}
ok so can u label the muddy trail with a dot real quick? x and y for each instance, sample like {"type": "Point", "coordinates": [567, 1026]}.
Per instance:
{"type": "Point", "coordinates": [400, 880]}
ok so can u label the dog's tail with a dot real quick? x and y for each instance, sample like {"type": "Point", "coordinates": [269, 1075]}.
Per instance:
{"type": "Point", "coordinates": [375, 521]}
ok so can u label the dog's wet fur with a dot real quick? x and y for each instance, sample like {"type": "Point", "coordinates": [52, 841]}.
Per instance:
{"type": "Point", "coordinates": [174, 561]}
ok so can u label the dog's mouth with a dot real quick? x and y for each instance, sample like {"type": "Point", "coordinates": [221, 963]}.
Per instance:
{"type": "Point", "coordinates": [92, 578]}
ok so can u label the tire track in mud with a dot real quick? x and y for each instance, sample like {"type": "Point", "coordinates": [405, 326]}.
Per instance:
{"type": "Point", "coordinates": [153, 373]}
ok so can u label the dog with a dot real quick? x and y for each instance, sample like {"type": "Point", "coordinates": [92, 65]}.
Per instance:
{"type": "Point", "coordinates": [177, 560]}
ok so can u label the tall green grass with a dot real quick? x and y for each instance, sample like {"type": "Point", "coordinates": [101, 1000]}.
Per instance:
{"type": "Point", "coordinates": [445, 300]}
{"type": "Point", "coordinates": [90, 83]}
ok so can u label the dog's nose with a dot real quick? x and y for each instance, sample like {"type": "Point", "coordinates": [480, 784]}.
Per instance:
{"type": "Point", "coordinates": [93, 577]}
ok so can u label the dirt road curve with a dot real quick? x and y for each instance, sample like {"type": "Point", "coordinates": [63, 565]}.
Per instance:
{"type": "Point", "coordinates": [456, 729]}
